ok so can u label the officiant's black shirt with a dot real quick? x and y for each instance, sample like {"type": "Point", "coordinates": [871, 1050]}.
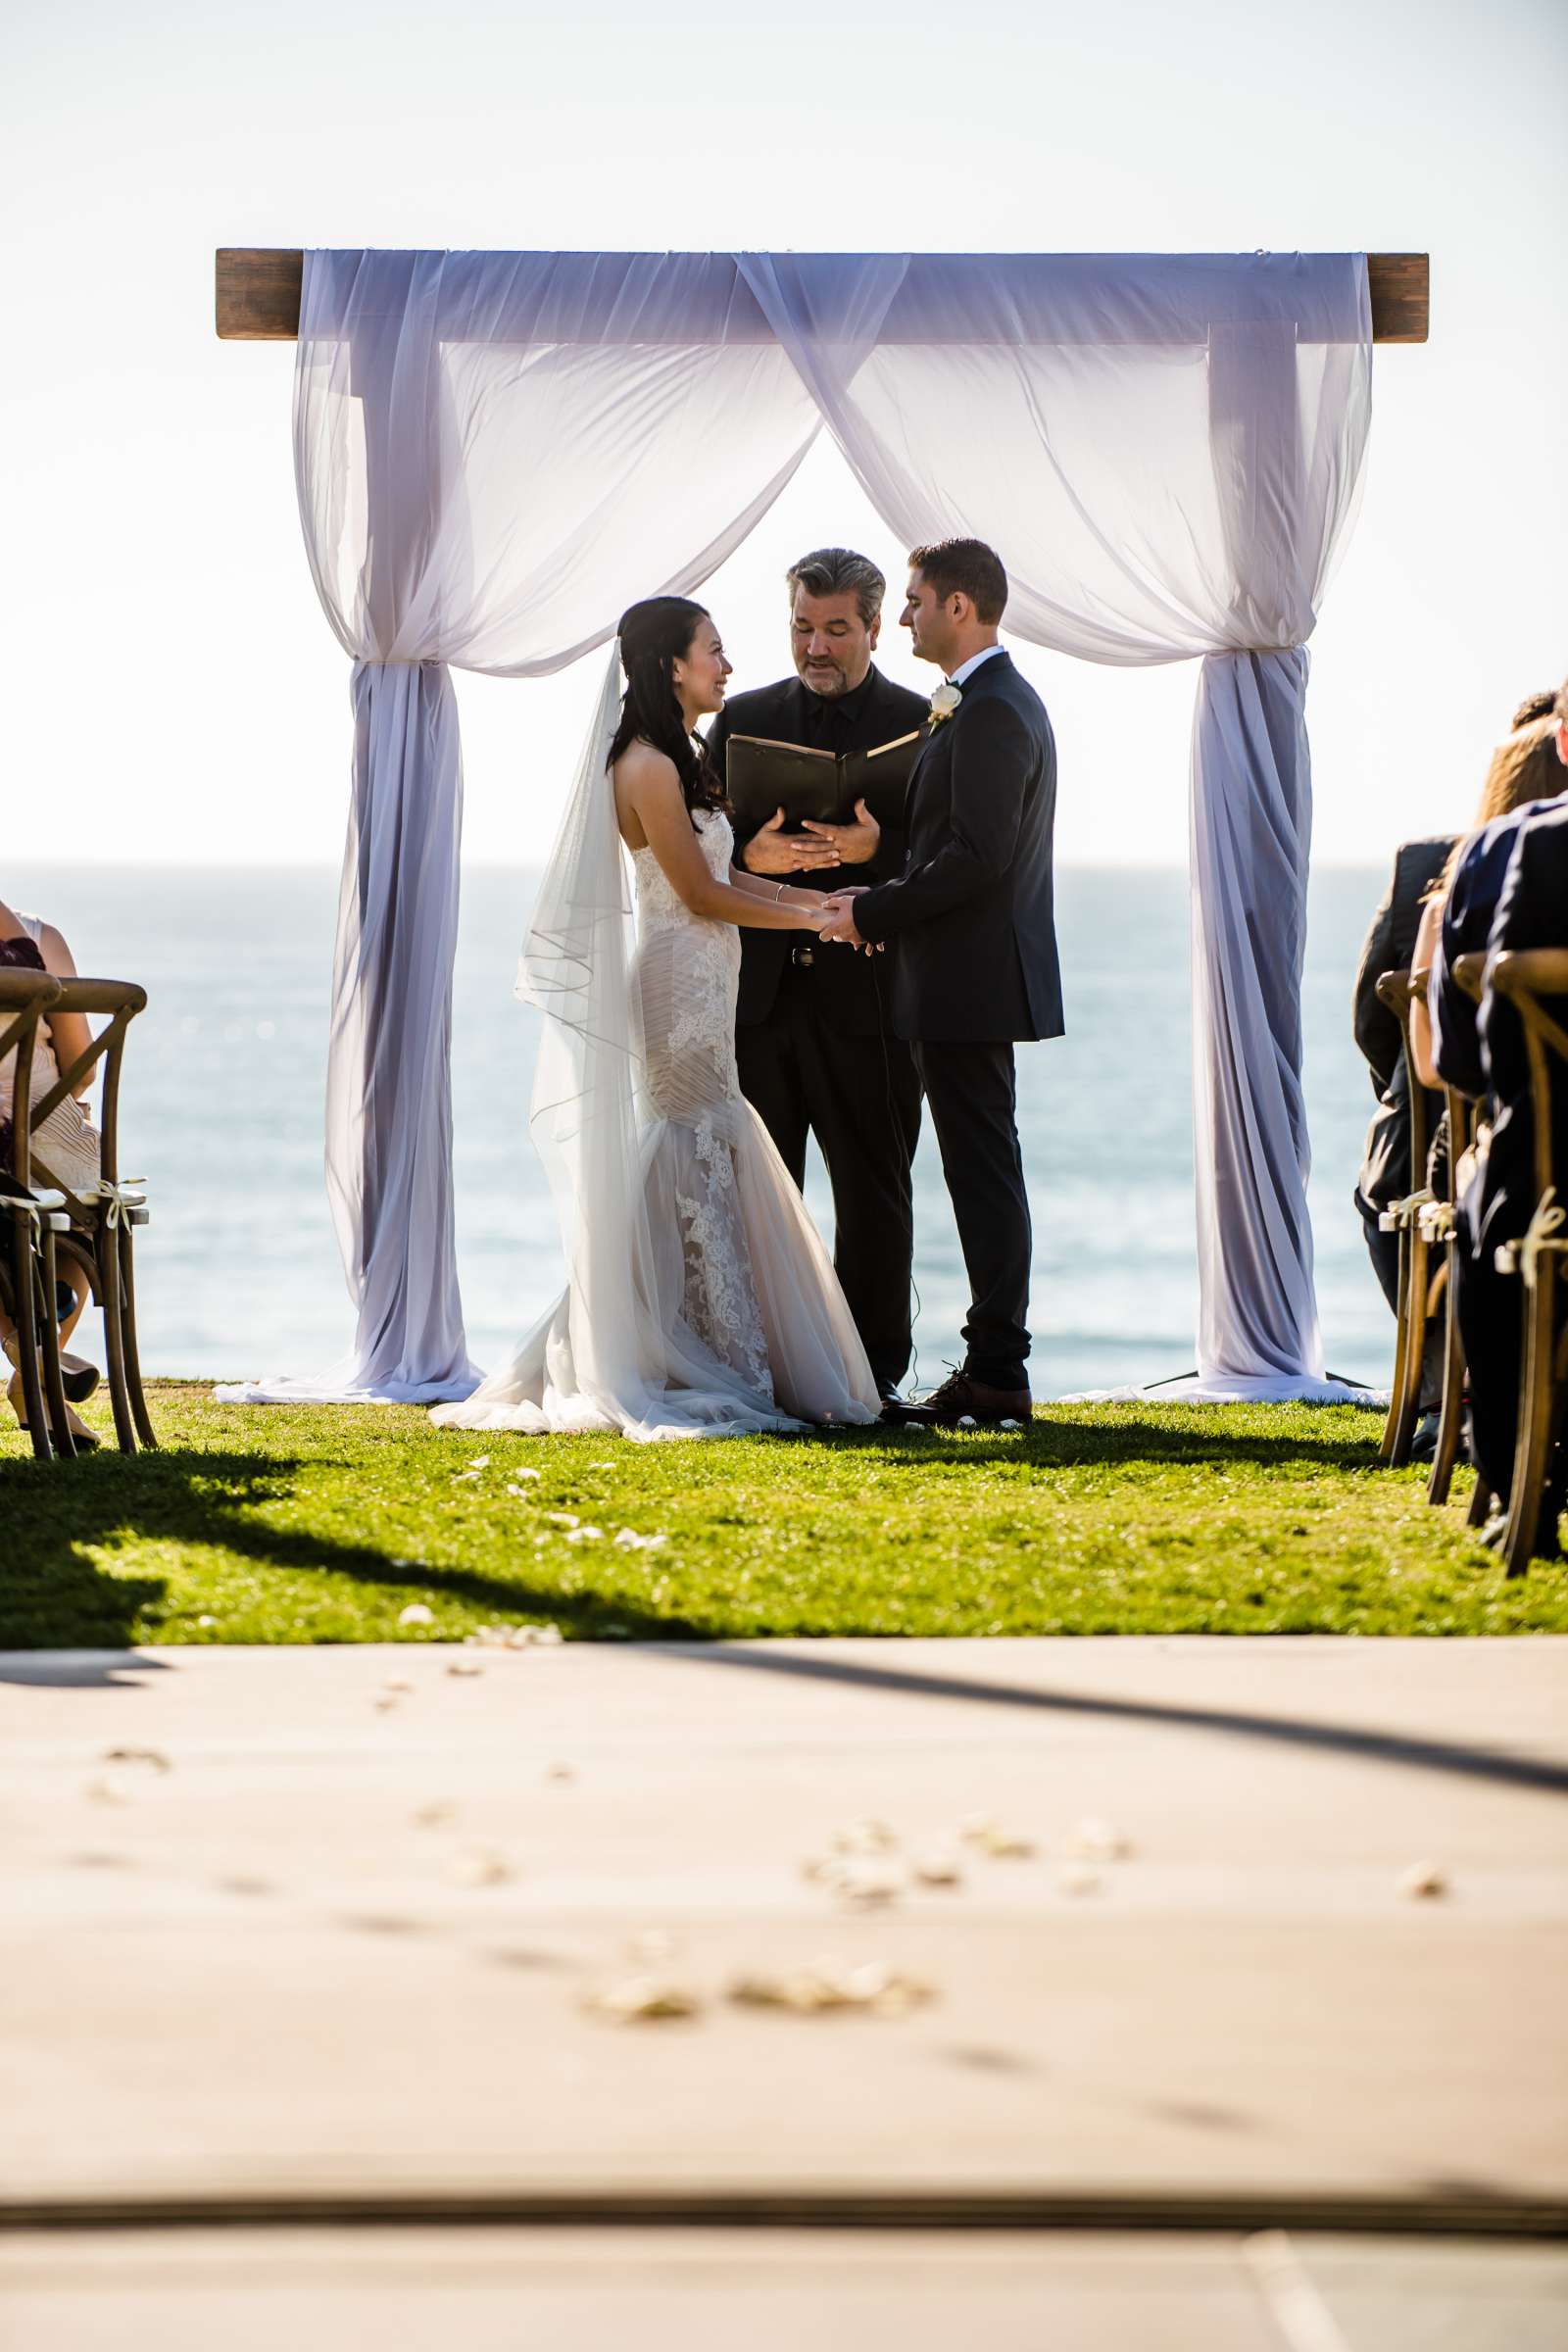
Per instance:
{"type": "Point", "coordinates": [832, 980]}
{"type": "Point", "coordinates": [831, 722]}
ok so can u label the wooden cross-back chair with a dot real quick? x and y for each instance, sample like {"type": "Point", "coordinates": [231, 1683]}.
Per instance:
{"type": "Point", "coordinates": [1398, 992]}
{"type": "Point", "coordinates": [99, 1235]}
{"type": "Point", "coordinates": [1442, 1235]}
{"type": "Point", "coordinates": [34, 1215]}
{"type": "Point", "coordinates": [1541, 1257]}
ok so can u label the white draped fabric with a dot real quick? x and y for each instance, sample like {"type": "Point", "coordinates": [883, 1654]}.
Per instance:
{"type": "Point", "coordinates": [498, 451]}
{"type": "Point", "coordinates": [495, 454]}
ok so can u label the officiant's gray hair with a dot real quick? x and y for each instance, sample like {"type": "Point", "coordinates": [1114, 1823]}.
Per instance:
{"type": "Point", "coordinates": [840, 572]}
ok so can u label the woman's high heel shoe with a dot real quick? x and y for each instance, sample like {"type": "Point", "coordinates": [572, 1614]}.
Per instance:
{"type": "Point", "coordinates": [78, 1377]}
{"type": "Point", "coordinates": [83, 1437]}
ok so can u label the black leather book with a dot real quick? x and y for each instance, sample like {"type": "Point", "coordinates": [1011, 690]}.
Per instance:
{"type": "Point", "coordinates": [762, 776]}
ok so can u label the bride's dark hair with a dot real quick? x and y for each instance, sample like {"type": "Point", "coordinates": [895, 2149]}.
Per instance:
{"type": "Point", "coordinates": [654, 636]}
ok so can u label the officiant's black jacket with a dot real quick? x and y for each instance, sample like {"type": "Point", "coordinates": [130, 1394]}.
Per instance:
{"type": "Point", "coordinates": [841, 987]}
{"type": "Point", "coordinates": [973, 914]}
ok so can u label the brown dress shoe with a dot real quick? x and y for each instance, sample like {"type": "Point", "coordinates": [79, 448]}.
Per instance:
{"type": "Point", "coordinates": [961, 1399]}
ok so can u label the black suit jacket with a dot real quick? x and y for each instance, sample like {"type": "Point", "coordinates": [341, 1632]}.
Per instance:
{"type": "Point", "coordinates": [1390, 945]}
{"type": "Point", "coordinates": [972, 916]}
{"type": "Point", "coordinates": [838, 986]}
{"type": "Point", "coordinates": [1532, 912]}
{"type": "Point", "coordinates": [1474, 899]}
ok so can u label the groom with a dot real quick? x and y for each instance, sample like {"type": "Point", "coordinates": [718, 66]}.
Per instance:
{"type": "Point", "coordinates": [975, 970]}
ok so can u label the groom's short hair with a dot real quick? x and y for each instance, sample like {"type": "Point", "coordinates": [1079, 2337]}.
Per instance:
{"type": "Point", "coordinates": [964, 568]}
{"type": "Point", "coordinates": [840, 572]}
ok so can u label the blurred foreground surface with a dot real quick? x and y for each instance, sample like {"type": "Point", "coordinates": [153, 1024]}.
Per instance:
{"type": "Point", "coordinates": [601, 2291]}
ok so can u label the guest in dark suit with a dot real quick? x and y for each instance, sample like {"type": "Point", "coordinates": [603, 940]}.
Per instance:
{"type": "Point", "coordinates": [1461, 917]}
{"type": "Point", "coordinates": [1386, 1174]}
{"type": "Point", "coordinates": [1532, 911]}
{"type": "Point", "coordinates": [1459, 914]}
{"type": "Point", "coordinates": [814, 1046]}
{"type": "Point", "coordinates": [974, 969]}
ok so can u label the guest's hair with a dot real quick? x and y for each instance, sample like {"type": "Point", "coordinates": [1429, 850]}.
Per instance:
{"type": "Point", "coordinates": [1524, 769]}
{"type": "Point", "coordinates": [654, 636]}
{"type": "Point", "coordinates": [838, 572]}
{"type": "Point", "coordinates": [964, 568]}
{"type": "Point", "coordinates": [1559, 705]}
{"type": "Point", "coordinates": [1535, 706]}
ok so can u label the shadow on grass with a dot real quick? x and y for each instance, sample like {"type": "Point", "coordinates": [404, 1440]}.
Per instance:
{"type": "Point", "coordinates": [55, 1596]}
{"type": "Point", "coordinates": [1061, 1445]}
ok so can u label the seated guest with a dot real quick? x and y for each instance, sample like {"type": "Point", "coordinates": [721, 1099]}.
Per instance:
{"type": "Point", "coordinates": [1503, 1197]}
{"type": "Point", "coordinates": [1457, 918]}
{"type": "Point", "coordinates": [1386, 1174]}
{"type": "Point", "coordinates": [65, 1142]}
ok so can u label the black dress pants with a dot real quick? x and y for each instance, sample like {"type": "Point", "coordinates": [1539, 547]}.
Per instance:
{"type": "Point", "coordinates": [972, 1094]}
{"type": "Point", "coordinates": [803, 1075]}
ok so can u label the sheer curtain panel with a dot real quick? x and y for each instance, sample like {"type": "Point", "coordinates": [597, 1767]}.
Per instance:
{"type": "Point", "coordinates": [495, 455]}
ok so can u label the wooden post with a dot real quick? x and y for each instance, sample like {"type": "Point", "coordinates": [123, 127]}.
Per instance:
{"type": "Point", "coordinates": [259, 294]}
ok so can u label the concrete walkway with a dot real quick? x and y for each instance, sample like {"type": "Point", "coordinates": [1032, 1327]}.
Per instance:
{"type": "Point", "coordinates": [302, 1948]}
{"type": "Point", "coordinates": [324, 1940]}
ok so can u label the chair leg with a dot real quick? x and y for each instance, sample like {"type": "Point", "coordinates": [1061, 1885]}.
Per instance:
{"type": "Point", "coordinates": [54, 1385]}
{"type": "Point", "coordinates": [115, 1340]}
{"type": "Point", "coordinates": [1402, 1344]}
{"type": "Point", "coordinates": [1483, 1502]}
{"type": "Point", "coordinates": [24, 1265]}
{"type": "Point", "coordinates": [1407, 1399]}
{"type": "Point", "coordinates": [1533, 1445]}
{"type": "Point", "coordinates": [1453, 1413]}
{"type": "Point", "coordinates": [139, 1401]}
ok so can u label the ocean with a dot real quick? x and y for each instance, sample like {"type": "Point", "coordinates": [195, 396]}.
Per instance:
{"type": "Point", "coordinates": [238, 1272]}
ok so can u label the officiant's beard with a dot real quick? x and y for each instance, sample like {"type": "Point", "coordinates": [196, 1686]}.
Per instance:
{"type": "Point", "coordinates": [829, 677]}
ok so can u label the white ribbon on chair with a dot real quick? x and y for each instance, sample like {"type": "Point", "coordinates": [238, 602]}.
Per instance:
{"type": "Point", "coordinates": [1538, 1241]}
{"type": "Point", "coordinates": [120, 1199]}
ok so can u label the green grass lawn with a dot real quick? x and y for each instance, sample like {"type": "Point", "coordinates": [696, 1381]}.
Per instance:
{"type": "Point", "coordinates": [321, 1524]}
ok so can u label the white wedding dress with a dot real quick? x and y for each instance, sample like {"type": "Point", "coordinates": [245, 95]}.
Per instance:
{"type": "Point", "coordinates": [700, 1299]}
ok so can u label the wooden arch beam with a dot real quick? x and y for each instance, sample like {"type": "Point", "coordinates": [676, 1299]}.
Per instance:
{"type": "Point", "coordinates": [259, 294]}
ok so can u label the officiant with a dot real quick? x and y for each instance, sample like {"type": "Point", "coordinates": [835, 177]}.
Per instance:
{"type": "Point", "coordinates": [814, 1045]}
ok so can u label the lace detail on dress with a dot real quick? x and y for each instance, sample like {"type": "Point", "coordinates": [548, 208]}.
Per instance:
{"type": "Point", "coordinates": [719, 1301]}
{"type": "Point", "coordinates": [688, 969]}
{"type": "Point", "coordinates": [687, 972]}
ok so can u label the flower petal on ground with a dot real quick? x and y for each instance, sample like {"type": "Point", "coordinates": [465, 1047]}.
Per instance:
{"type": "Point", "coordinates": [1096, 1841]}
{"type": "Point", "coordinates": [152, 1756]}
{"type": "Point", "coordinates": [645, 1999]}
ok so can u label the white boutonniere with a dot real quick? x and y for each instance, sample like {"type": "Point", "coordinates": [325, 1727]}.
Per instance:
{"type": "Point", "coordinates": [944, 701]}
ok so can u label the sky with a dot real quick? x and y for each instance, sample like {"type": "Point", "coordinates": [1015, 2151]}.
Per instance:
{"type": "Point", "coordinates": [177, 695]}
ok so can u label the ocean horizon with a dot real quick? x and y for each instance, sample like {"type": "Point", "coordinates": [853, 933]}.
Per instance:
{"type": "Point", "coordinates": [239, 1274]}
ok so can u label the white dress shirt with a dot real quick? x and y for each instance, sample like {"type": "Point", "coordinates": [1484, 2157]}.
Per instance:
{"type": "Point", "coordinates": [967, 670]}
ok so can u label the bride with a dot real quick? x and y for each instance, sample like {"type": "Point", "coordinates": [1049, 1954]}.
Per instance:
{"type": "Point", "coordinates": [700, 1300]}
